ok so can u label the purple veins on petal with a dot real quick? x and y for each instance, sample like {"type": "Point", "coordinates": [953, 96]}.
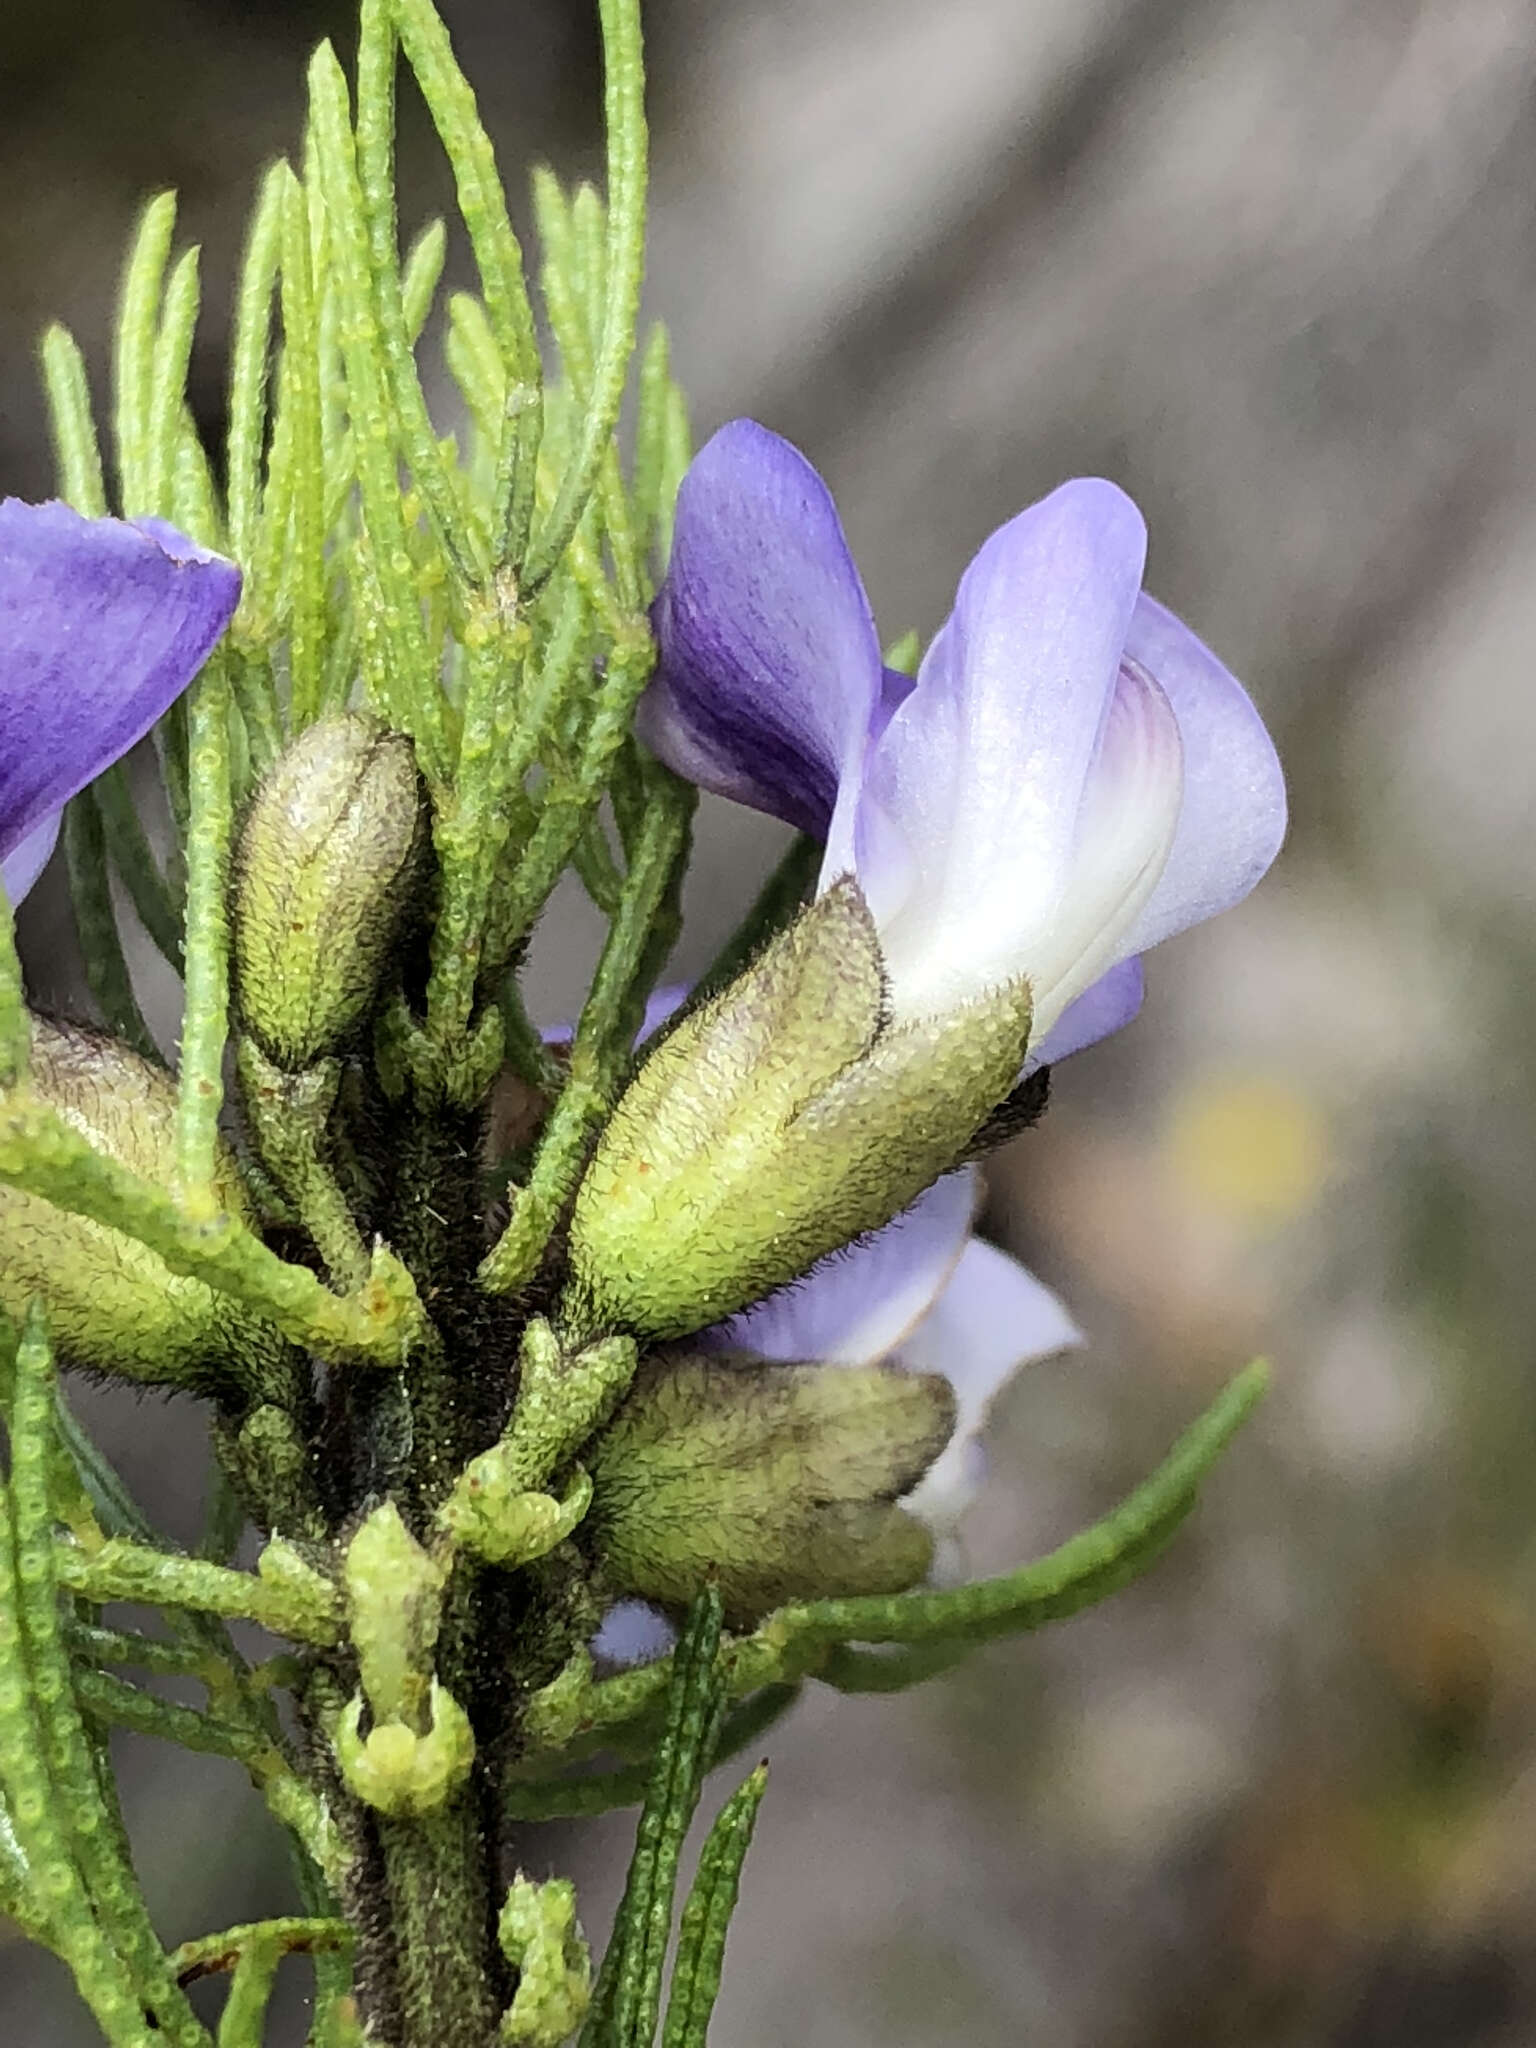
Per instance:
{"type": "Point", "coordinates": [103, 623]}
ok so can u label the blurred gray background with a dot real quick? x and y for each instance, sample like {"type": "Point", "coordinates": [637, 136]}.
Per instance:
{"type": "Point", "coordinates": [1274, 269]}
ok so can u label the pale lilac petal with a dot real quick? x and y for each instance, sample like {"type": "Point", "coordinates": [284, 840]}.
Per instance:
{"type": "Point", "coordinates": [1126, 825]}
{"type": "Point", "coordinates": [102, 625]}
{"type": "Point", "coordinates": [992, 1318]}
{"type": "Point", "coordinates": [968, 833]}
{"type": "Point", "coordinates": [768, 670]}
{"type": "Point", "coordinates": [860, 1304]}
{"type": "Point", "coordinates": [1233, 817]}
{"type": "Point", "coordinates": [1107, 1006]}
{"type": "Point", "coordinates": [632, 1632]}
{"type": "Point", "coordinates": [26, 861]}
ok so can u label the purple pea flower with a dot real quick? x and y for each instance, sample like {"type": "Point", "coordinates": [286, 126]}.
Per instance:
{"type": "Point", "coordinates": [1072, 776]}
{"type": "Point", "coordinates": [103, 623]}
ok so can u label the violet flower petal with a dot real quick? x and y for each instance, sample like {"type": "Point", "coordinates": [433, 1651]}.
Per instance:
{"type": "Point", "coordinates": [633, 1632]}
{"type": "Point", "coordinates": [1021, 799]}
{"type": "Point", "coordinates": [859, 1305]}
{"type": "Point", "coordinates": [992, 1318]}
{"type": "Point", "coordinates": [103, 623]}
{"type": "Point", "coordinates": [25, 862]}
{"type": "Point", "coordinates": [768, 669]}
{"type": "Point", "coordinates": [1108, 1005]}
{"type": "Point", "coordinates": [1232, 821]}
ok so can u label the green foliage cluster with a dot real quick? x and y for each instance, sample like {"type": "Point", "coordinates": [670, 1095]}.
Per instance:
{"type": "Point", "coordinates": [419, 720]}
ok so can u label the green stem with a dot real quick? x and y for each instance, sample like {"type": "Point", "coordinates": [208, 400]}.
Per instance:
{"type": "Point", "coordinates": [438, 1872]}
{"type": "Point", "coordinates": [205, 1018]}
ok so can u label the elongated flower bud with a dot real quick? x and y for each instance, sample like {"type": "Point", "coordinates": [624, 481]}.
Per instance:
{"type": "Point", "coordinates": [542, 1940]}
{"type": "Point", "coordinates": [111, 1302]}
{"type": "Point", "coordinates": [779, 1482]}
{"type": "Point", "coordinates": [777, 1123]}
{"type": "Point", "coordinates": [394, 1605]}
{"type": "Point", "coordinates": [327, 869]}
{"type": "Point", "coordinates": [398, 1770]}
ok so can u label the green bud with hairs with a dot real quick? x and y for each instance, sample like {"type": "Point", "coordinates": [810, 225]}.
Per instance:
{"type": "Point", "coordinates": [778, 1122]}
{"type": "Point", "coordinates": [328, 872]}
{"type": "Point", "coordinates": [776, 1482]}
{"type": "Point", "coordinates": [113, 1304]}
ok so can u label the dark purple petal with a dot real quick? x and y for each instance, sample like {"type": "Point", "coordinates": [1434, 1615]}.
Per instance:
{"type": "Point", "coordinates": [102, 625]}
{"type": "Point", "coordinates": [1232, 820]}
{"type": "Point", "coordinates": [769, 671]}
{"type": "Point", "coordinates": [25, 862]}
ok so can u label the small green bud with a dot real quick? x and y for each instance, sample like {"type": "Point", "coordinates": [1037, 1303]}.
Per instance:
{"type": "Point", "coordinates": [112, 1303]}
{"type": "Point", "coordinates": [282, 1565]}
{"type": "Point", "coordinates": [552, 1714]}
{"type": "Point", "coordinates": [562, 1396]}
{"type": "Point", "coordinates": [779, 1482]}
{"type": "Point", "coordinates": [327, 866]}
{"type": "Point", "coordinates": [398, 1771]}
{"type": "Point", "coordinates": [394, 1592]}
{"type": "Point", "coordinates": [269, 1464]}
{"type": "Point", "coordinates": [775, 1124]}
{"type": "Point", "coordinates": [541, 1939]}
{"type": "Point", "coordinates": [489, 1514]}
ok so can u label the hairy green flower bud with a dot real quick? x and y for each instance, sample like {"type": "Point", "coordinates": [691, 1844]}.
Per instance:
{"type": "Point", "coordinates": [779, 1482]}
{"type": "Point", "coordinates": [112, 1303]}
{"type": "Point", "coordinates": [489, 1514]}
{"type": "Point", "coordinates": [394, 1604]}
{"type": "Point", "coordinates": [542, 1940]}
{"type": "Point", "coordinates": [778, 1122]}
{"type": "Point", "coordinates": [326, 870]}
{"type": "Point", "coordinates": [398, 1771]}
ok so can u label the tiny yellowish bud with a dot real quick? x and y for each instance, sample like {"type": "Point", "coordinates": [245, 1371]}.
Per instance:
{"type": "Point", "coordinates": [394, 1592]}
{"type": "Point", "coordinates": [775, 1124]}
{"type": "Point", "coordinates": [112, 1303]}
{"type": "Point", "coordinates": [777, 1482]}
{"type": "Point", "coordinates": [541, 1938]}
{"type": "Point", "coordinates": [489, 1514]}
{"type": "Point", "coordinates": [398, 1771]}
{"type": "Point", "coordinates": [327, 870]}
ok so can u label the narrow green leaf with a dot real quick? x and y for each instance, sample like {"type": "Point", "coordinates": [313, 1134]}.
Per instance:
{"type": "Point", "coordinates": [205, 1017]}
{"type": "Point", "coordinates": [168, 385]}
{"type": "Point", "coordinates": [72, 1763]}
{"type": "Point", "coordinates": [707, 1916]}
{"type": "Point", "coordinates": [624, 114]}
{"type": "Point", "coordinates": [106, 970]}
{"type": "Point", "coordinates": [1128, 1536]}
{"type": "Point", "coordinates": [159, 909]}
{"type": "Point", "coordinates": [138, 333]}
{"type": "Point", "coordinates": [77, 452]}
{"type": "Point", "coordinates": [644, 1925]}
{"type": "Point", "coordinates": [498, 258]}
{"type": "Point", "coordinates": [250, 363]}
